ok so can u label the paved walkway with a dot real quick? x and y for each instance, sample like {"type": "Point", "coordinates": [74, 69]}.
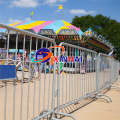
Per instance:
{"type": "Point", "coordinates": [100, 109]}
{"type": "Point", "coordinates": [85, 109]}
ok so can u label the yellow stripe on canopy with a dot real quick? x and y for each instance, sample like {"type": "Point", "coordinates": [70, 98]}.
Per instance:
{"type": "Point", "coordinates": [13, 24]}
{"type": "Point", "coordinates": [66, 23]}
{"type": "Point", "coordinates": [64, 27]}
{"type": "Point", "coordinates": [28, 26]}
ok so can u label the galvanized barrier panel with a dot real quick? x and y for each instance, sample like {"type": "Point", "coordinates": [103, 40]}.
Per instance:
{"type": "Point", "coordinates": [104, 72]}
{"type": "Point", "coordinates": [28, 96]}
{"type": "Point", "coordinates": [115, 69]}
{"type": "Point", "coordinates": [76, 80]}
{"type": "Point", "coordinates": [107, 74]}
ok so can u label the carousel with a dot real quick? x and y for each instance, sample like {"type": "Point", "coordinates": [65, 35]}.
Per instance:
{"type": "Point", "coordinates": [60, 31]}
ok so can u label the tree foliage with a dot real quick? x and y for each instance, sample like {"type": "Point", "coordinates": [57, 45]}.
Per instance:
{"type": "Point", "coordinates": [108, 28]}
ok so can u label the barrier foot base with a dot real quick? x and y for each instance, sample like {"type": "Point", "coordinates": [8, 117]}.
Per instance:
{"type": "Point", "coordinates": [65, 114]}
{"type": "Point", "coordinates": [54, 119]}
{"type": "Point", "coordinates": [116, 87]}
{"type": "Point", "coordinates": [116, 83]}
{"type": "Point", "coordinates": [103, 98]}
{"type": "Point", "coordinates": [106, 96]}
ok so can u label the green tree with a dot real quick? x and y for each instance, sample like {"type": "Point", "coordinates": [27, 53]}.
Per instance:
{"type": "Point", "coordinates": [108, 28]}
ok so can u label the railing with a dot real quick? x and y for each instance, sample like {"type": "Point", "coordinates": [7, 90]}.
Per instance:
{"type": "Point", "coordinates": [23, 104]}
{"type": "Point", "coordinates": [37, 97]}
{"type": "Point", "coordinates": [74, 86]}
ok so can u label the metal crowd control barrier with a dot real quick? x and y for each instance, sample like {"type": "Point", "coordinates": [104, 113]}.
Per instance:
{"type": "Point", "coordinates": [104, 74]}
{"type": "Point", "coordinates": [29, 100]}
{"type": "Point", "coordinates": [115, 74]}
{"type": "Point", "coordinates": [107, 74]}
{"type": "Point", "coordinates": [116, 70]}
{"type": "Point", "coordinates": [85, 77]}
{"type": "Point", "coordinates": [79, 83]}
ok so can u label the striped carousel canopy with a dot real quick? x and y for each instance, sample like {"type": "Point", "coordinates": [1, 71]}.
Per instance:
{"type": "Point", "coordinates": [57, 26]}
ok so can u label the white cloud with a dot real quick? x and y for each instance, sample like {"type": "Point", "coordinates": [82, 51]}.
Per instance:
{"type": "Point", "coordinates": [57, 10]}
{"type": "Point", "coordinates": [81, 11]}
{"type": "Point", "coordinates": [53, 2]}
{"type": "Point", "coordinates": [50, 1]}
{"type": "Point", "coordinates": [14, 21]}
{"type": "Point", "coordinates": [62, 0]}
{"type": "Point", "coordinates": [3, 2]}
{"type": "Point", "coordinates": [24, 3]}
{"type": "Point", "coordinates": [17, 21]}
{"type": "Point", "coordinates": [27, 19]}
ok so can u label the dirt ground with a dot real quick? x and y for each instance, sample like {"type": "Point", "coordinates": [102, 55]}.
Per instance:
{"type": "Point", "coordinates": [72, 87]}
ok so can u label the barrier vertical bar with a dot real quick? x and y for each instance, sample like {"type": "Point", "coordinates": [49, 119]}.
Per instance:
{"type": "Point", "coordinates": [6, 81]}
{"type": "Point", "coordinates": [75, 76]}
{"type": "Point", "coordinates": [54, 81]}
{"type": "Point", "coordinates": [29, 79]}
{"type": "Point", "coordinates": [58, 89]}
{"type": "Point", "coordinates": [22, 79]}
{"type": "Point", "coordinates": [69, 72]}
{"type": "Point", "coordinates": [44, 87]}
{"type": "Point", "coordinates": [93, 70]}
{"type": "Point", "coordinates": [66, 77]}
{"type": "Point", "coordinates": [49, 79]}
{"type": "Point", "coordinates": [84, 74]}
{"type": "Point", "coordinates": [118, 69]}
{"type": "Point", "coordinates": [63, 84]}
{"type": "Point", "coordinates": [111, 71]}
{"type": "Point", "coordinates": [90, 74]}
{"type": "Point", "coordinates": [40, 84]}
{"type": "Point", "coordinates": [15, 80]}
{"type": "Point", "coordinates": [35, 81]}
{"type": "Point", "coordinates": [98, 72]}
{"type": "Point", "coordinates": [72, 74]}
{"type": "Point", "coordinates": [80, 74]}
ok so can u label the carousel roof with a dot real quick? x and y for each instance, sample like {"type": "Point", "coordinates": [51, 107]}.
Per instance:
{"type": "Point", "coordinates": [56, 25]}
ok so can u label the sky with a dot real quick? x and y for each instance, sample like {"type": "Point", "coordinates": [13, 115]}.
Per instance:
{"type": "Point", "coordinates": [12, 11]}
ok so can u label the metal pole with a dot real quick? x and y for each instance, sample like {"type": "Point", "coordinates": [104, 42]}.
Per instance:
{"type": "Point", "coordinates": [8, 46]}
{"type": "Point", "coordinates": [62, 14]}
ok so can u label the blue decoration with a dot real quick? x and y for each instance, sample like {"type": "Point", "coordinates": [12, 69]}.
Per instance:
{"type": "Point", "coordinates": [7, 72]}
